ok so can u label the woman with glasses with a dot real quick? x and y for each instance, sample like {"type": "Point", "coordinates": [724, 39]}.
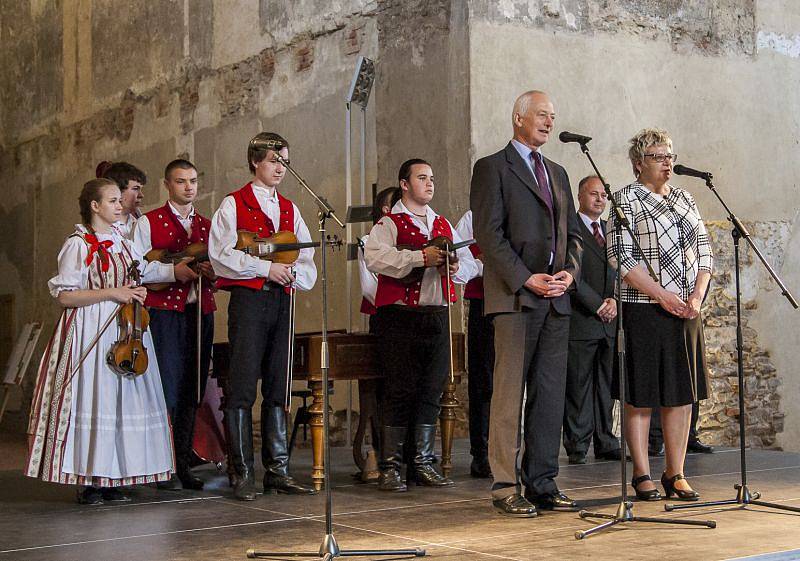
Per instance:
{"type": "Point", "coordinates": [665, 363]}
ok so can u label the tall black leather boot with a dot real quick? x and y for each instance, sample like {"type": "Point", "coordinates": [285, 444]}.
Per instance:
{"type": "Point", "coordinates": [239, 424]}
{"type": "Point", "coordinates": [275, 454]}
{"type": "Point", "coordinates": [184, 432]}
{"type": "Point", "coordinates": [391, 461]}
{"type": "Point", "coordinates": [424, 472]}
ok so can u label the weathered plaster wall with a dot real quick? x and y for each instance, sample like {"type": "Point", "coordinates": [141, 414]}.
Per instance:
{"type": "Point", "coordinates": [150, 81]}
{"type": "Point", "coordinates": [722, 77]}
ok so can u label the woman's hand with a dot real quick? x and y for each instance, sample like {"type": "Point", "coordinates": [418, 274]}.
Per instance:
{"type": "Point", "coordinates": [693, 304]}
{"type": "Point", "coordinates": [672, 303]}
{"type": "Point", "coordinates": [127, 294]}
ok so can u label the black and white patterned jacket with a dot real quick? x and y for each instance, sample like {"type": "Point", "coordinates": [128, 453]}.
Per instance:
{"type": "Point", "coordinates": [671, 233]}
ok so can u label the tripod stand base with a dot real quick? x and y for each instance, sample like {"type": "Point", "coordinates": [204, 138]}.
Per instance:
{"type": "Point", "coordinates": [329, 550]}
{"type": "Point", "coordinates": [743, 498]}
{"type": "Point", "coordinates": [625, 514]}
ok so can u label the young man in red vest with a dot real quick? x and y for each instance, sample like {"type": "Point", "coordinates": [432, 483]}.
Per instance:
{"type": "Point", "coordinates": [173, 310]}
{"type": "Point", "coordinates": [258, 315]}
{"type": "Point", "coordinates": [412, 323]}
{"type": "Point", "coordinates": [480, 361]}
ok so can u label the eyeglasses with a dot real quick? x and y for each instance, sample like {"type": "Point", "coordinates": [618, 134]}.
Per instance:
{"type": "Point", "coordinates": [661, 157]}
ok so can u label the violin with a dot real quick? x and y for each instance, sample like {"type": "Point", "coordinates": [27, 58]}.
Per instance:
{"type": "Point", "coordinates": [128, 355]}
{"type": "Point", "coordinates": [444, 244]}
{"type": "Point", "coordinates": [197, 251]}
{"type": "Point", "coordinates": [281, 247]}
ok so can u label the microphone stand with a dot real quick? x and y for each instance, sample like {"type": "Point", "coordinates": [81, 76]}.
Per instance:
{"type": "Point", "coordinates": [744, 496]}
{"type": "Point", "coordinates": [329, 549]}
{"type": "Point", "coordinates": [624, 512]}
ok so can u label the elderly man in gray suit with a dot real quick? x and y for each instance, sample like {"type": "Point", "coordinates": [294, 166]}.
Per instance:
{"type": "Point", "coordinates": [526, 224]}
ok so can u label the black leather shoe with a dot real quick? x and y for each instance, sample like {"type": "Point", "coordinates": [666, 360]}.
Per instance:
{"type": "Point", "coordinates": [480, 468]}
{"type": "Point", "coordinates": [90, 496]}
{"type": "Point", "coordinates": [286, 484]}
{"type": "Point", "coordinates": [654, 451]}
{"type": "Point", "coordinates": [114, 495]}
{"type": "Point", "coordinates": [390, 480]}
{"type": "Point", "coordinates": [699, 447]}
{"type": "Point", "coordinates": [577, 458]}
{"type": "Point", "coordinates": [554, 501]}
{"type": "Point", "coordinates": [651, 495]}
{"type": "Point", "coordinates": [427, 476]}
{"type": "Point", "coordinates": [669, 488]}
{"type": "Point", "coordinates": [189, 481]}
{"type": "Point", "coordinates": [515, 506]}
{"type": "Point", "coordinates": [612, 455]}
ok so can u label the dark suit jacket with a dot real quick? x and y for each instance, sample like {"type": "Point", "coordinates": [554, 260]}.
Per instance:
{"type": "Point", "coordinates": [597, 284]}
{"type": "Point", "coordinates": [512, 226]}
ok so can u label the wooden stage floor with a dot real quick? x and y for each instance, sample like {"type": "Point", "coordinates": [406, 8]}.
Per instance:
{"type": "Point", "coordinates": [42, 522]}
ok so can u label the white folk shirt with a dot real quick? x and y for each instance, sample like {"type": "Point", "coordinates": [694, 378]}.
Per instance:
{"type": "Point", "coordinates": [233, 264]}
{"type": "Point", "coordinates": [126, 227]}
{"type": "Point", "coordinates": [464, 229]}
{"type": "Point", "coordinates": [155, 271]}
{"type": "Point", "coordinates": [383, 258]}
{"type": "Point", "coordinates": [369, 280]}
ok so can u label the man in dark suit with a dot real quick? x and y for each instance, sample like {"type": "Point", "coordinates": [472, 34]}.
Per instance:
{"type": "Point", "coordinates": [589, 407]}
{"type": "Point", "coordinates": [526, 225]}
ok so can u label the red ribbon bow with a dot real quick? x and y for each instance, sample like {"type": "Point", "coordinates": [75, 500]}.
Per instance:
{"type": "Point", "coordinates": [100, 248]}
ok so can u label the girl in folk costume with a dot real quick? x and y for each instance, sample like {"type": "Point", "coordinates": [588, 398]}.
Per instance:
{"type": "Point", "coordinates": [90, 426]}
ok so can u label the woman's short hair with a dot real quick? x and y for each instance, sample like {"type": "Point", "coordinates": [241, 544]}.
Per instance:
{"type": "Point", "coordinates": [386, 197]}
{"type": "Point", "coordinates": [643, 140]}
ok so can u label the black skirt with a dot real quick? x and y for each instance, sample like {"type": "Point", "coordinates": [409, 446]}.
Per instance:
{"type": "Point", "coordinates": [665, 358]}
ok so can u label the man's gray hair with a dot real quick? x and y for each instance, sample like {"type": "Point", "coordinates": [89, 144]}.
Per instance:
{"type": "Point", "coordinates": [523, 102]}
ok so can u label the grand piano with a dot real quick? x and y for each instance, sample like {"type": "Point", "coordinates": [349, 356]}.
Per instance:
{"type": "Point", "coordinates": [353, 356]}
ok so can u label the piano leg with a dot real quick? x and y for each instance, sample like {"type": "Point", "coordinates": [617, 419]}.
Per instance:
{"type": "Point", "coordinates": [315, 410]}
{"type": "Point", "coordinates": [447, 419]}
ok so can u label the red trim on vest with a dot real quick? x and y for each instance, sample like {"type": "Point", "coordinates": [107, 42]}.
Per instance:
{"type": "Point", "coordinates": [474, 288]}
{"type": "Point", "coordinates": [391, 290]}
{"type": "Point", "coordinates": [368, 307]}
{"type": "Point", "coordinates": [166, 232]}
{"type": "Point", "coordinates": [250, 217]}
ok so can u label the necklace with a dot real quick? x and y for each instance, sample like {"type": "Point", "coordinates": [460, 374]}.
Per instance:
{"type": "Point", "coordinates": [423, 215]}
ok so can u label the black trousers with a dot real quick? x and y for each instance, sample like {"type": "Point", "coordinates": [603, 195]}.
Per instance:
{"type": "Point", "coordinates": [258, 330]}
{"type": "Point", "coordinates": [175, 340]}
{"type": "Point", "coordinates": [415, 356]}
{"type": "Point", "coordinates": [588, 408]}
{"type": "Point", "coordinates": [480, 366]}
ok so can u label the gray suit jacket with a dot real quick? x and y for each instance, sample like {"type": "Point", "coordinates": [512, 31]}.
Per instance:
{"type": "Point", "coordinates": [512, 226]}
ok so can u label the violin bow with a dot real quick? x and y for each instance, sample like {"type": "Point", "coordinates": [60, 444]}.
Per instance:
{"type": "Point", "coordinates": [199, 334]}
{"type": "Point", "coordinates": [449, 318]}
{"type": "Point", "coordinates": [287, 405]}
{"type": "Point", "coordinates": [94, 342]}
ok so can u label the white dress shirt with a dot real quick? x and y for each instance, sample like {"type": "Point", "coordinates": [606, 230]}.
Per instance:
{"type": "Point", "coordinates": [588, 221]}
{"type": "Point", "coordinates": [155, 271]}
{"type": "Point", "coordinates": [383, 257]}
{"type": "Point", "coordinates": [464, 229]}
{"type": "Point", "coordinates": [231, 263]}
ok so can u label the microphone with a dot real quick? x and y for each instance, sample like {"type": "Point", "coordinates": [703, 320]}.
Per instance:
{"type": "Point", "coordinates": [572, 137]}
{"type": "Point", "coordinates": [267, 144]}
{"type": "Point", "coordinates": [683, 170]}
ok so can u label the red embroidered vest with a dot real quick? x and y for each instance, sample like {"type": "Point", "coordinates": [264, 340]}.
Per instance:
{"type": "Point", "coordinates": [166, 232]}
{"type": "Point", "coordinates": [391, 290]}
{"type": "Point", "coordinates": [368, 307]}
{"type": "Point", "coordinates": [250, 217]}
{"type": "Point", "coordinates": [474, 288]}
